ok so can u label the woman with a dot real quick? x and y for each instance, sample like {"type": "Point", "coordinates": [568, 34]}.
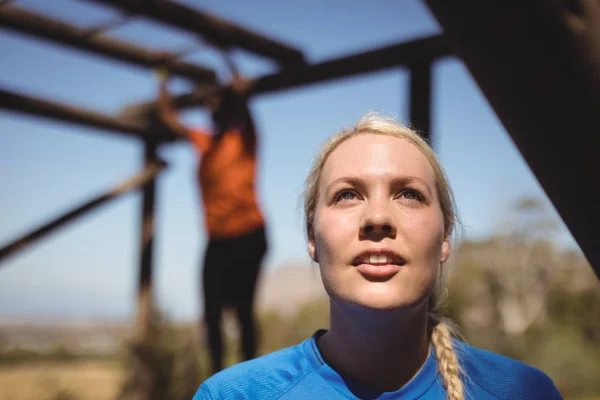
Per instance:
{"type": "Point", "coordinates": [379, 216]}
{"type": "Point", "coordinates": [233, 218]}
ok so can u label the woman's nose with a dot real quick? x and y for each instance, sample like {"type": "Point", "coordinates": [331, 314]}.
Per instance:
{"type": "Point", "coordinates": [378, 220]}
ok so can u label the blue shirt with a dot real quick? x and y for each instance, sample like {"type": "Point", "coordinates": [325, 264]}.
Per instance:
{"type": "Point", "coordinates": [299, 372]}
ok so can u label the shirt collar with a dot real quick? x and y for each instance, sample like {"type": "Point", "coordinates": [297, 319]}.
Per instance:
{"type": "Point", "coordinates": [353, 390]}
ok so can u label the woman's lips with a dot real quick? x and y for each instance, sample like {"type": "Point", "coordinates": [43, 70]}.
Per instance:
{"type": "Point", "coordinates": [378, 264]}
{"type": "Point", "coordinates": [378, 272]}
{"type": "Point", "coordinates": [380, 256]}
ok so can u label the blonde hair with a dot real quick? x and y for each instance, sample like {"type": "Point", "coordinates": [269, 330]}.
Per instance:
{"type": "Point", "coordinates": [441, 331]}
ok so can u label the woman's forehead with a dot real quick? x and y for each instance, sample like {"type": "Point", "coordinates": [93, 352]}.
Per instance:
{"type": "Point", "coordinates": [376, 155]}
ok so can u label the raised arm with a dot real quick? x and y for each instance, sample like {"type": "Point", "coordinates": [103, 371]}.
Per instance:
{"type": "Point", "coordinates": [167, 113]}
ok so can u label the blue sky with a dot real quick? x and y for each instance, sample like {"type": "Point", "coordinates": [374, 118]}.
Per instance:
{"type": "Point", "coordinates": [89, 269]}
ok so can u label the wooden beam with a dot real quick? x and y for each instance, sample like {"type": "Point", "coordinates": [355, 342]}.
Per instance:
{"type": "Point", "coordinates": [420, 98]}
{"type": "Point", "coordinates": [60, 112]}
{"type": "Point", "coordinates": [400, 55]}
{"type": "Point", "coordinates": [403, 54]}
{"type": "Point", "coordinates": [219, 31]}
{"type": "Point", "coordinates": [145, 370]}
{"type": "Point", "coordinates": [59, 32]}
{"type": "Point", "coordinates": [147, 230]}
{"type": "Point", "coordinates": [147, 175]}
{"type": "Point", "coordinates": [542, 77]}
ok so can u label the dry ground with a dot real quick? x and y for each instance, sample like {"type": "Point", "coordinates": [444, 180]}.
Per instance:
{"type": "Point", "coordinates": [87, 380]}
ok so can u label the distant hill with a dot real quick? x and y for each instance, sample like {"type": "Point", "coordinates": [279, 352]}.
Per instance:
{"type": "Point", "coordinates": [75, 337]}
{"type": "Point", "coordinates": [286, 288]}
{"type": "Point", "coordinates": [282, 290]}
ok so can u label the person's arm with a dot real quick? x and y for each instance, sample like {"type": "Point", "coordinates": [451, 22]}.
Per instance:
{"type": "Point", "coordinates": [167, 113]}
{"type": "Point", "coordinates": [168, 116]}
{"type": "Point", "coordinates": [242, 86]}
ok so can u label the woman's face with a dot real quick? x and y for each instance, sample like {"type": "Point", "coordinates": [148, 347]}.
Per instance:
{"type": "Point", "coordinates": [378, 233]}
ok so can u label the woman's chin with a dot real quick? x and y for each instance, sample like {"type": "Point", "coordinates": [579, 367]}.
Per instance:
{"type": "Point", "coordinates": [379, 296]}
{"type": "Point", "coordinates": [384, 305]}
{"type": "Point", "coordinates": [383, 302]}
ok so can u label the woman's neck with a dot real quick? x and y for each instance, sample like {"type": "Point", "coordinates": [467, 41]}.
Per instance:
{"type": "Point", "coordinates": [380, 349]}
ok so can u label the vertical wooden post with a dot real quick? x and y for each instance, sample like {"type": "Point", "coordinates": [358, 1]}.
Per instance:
{"type": "Point", "coordinates": [420, 98]}
{"type": "Point", "coordinates": [144, 337]}
{"type": "Point", "coordinates": [143, 331]}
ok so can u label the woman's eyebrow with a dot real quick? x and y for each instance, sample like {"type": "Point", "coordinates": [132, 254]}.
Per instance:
{"type": "Point", "coordinates": [352, 181]}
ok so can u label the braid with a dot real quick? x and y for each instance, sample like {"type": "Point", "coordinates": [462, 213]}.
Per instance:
{"type": "Point", "coordinates": [448, 365]}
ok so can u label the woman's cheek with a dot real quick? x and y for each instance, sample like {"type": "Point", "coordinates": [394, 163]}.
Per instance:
{"type": "Point", "coordinates": [325, 245]}
{"type": "Point", "coordinates": [408, 218]}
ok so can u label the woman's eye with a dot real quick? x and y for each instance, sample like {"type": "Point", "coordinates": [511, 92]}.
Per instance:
{"type": "Point", "coordinates": [411, 194]}
{"type": "Point", "coordinates": [345, 195]}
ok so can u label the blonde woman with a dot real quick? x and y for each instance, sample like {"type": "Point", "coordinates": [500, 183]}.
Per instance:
{"type": "Point", "coordinates": [379, 216]}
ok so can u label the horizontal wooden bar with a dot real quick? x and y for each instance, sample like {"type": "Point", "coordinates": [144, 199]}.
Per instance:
{"type": "Point", "coordinates": [221, 32]}
{"type": "Point", "coordinates": [61, 112]}
{"type": "Point", "coordinates": [403, 54]}
{"type": "Point", "coordinates": [59, 32]}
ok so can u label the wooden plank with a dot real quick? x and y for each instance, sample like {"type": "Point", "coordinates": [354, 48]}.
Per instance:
{"type": "Point", "coordinates": [140, 180]}
{"type": "Point", "coordinates": [59, 32]}
{"type": "Point", "coordinates": [400, 55]}
{"type": "Point", "coordinates": [221, 32]}
{"type": "Point", "coordinates": [542, 78]}
{"type": "Point", "coordinates": [61, 112]}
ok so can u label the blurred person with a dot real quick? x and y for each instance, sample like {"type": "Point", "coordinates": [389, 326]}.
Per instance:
{"type": "Point", "coordinates": [234, 221]}
{"type": "Point", "coordinates": [379, 218]}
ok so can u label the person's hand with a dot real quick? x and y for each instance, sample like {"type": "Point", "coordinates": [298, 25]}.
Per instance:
{"type": "Point", "coordinates": [241, 85]}
{"type": "Point", "coordinates": [161, 71]}
{"type": "Point", "coordinates": [162, 75]}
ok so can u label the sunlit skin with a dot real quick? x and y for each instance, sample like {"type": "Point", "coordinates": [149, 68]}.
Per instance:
{"type": "Point", "coordinates": [377, 194]}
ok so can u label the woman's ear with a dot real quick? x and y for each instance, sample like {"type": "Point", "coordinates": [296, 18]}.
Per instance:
{"type": "Point", "coordinates": [312, 245]}
{"type": "Point", "coordinates": [446, 250]}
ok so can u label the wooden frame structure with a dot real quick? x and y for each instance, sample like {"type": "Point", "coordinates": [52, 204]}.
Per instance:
{"type": "Point", "coordinates": [506, 63]}
{"type": "Point", "coordinates": [538, 64]}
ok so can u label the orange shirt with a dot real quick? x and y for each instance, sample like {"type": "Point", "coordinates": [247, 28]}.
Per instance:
{"type": "Point", "coordinates": [227, 177]}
